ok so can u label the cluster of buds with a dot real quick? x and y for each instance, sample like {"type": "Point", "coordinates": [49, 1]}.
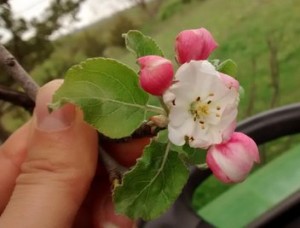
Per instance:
{"type": "Point", "coordinates": [202, 104]}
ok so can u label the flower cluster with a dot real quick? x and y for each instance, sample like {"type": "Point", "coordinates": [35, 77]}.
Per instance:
{"type": "Point", "coordinates": [202, 104]}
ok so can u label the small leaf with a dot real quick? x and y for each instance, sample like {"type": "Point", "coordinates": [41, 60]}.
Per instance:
{"type": "Point", "coordinates": [140, 44]}
{"type": "Point", "coordinates": [108, 93]}
{"type": "Point", "coordinates": [228, 67]}
{"type": "Point", "coordinates": [215, 62]}
{"type": "Point", "coordinates": [153, 185]}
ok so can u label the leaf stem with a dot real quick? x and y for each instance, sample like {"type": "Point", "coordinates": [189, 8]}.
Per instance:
{"type": "Point", "coordinates": [155, 109]}
{"type": "Point", "coordinates": [165, 155]}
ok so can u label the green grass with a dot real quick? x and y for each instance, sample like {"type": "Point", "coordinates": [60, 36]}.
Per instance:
{"type": "Point", "coordinates": [241, 28]}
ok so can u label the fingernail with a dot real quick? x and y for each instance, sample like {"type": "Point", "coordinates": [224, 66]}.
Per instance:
{"type": "Point", "coordinates": [57, 120]}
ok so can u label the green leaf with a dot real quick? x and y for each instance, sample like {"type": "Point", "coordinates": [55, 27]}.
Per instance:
{"type": "Point", "coordinates": [228, 67]}
{"type": "Point", "coordinates": [153, 185]}
{"type": "Point", "coordinates": [194, 156]}
{"type": "Point", "coordinates": [140, 44]}
{"type": "Point", "coordinates": [108, 93]}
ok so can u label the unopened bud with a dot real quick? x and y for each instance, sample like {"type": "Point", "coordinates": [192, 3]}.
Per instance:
{"type": "Point", "coordinates": [194, 44]}
{"type": "Point", "coordinates": [232, 161]}
{"type": "Point", "coordinates": [156, 74]}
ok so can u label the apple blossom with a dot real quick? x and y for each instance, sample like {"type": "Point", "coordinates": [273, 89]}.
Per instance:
{"type": "Point", "coordinates": [202, 109]}
{"type": "Point", "coordinates": [232, 161]}
{"type": "Point", "coordinates": [194, 44]}
{"type": "Point", "coordinates": [156, 74]}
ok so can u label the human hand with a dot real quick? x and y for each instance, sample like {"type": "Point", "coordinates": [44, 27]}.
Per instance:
{"type": "Point", "coordinates": [49, 174]}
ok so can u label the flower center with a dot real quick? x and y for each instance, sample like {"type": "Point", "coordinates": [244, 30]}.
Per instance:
{"type": "Point", "coordinates": [200, 110]}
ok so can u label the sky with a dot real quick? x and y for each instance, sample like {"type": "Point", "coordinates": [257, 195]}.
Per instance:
{"type": "Point", "coordinates": [90, 10]}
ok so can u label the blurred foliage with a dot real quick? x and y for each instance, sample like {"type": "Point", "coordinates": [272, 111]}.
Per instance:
{"type": "Point", "coordinates": [28, 50]}
{"type": "Point", "coordinates": [170, 9]}
{"type": "Point", "coordinates": [30, 42]}
{"type": "Point", "coordinates": [122, 25]}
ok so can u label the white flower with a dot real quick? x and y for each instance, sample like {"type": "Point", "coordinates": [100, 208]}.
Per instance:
{"type": "Point", "coordinates": [203, 109]}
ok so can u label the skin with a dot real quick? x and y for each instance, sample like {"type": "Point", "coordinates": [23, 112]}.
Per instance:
{"type": "Point", "coordinates": [49, 174]}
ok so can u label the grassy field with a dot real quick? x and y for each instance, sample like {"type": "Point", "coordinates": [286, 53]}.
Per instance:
{"type": "Point", "coordinates": [242, 29]}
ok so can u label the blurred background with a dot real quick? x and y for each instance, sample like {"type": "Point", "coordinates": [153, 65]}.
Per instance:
{"type": "Point", "coordinates": [261, 36]}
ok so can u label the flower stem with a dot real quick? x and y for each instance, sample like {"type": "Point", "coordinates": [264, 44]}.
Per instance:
{"type": "Point", "coordinates": [163, 105]}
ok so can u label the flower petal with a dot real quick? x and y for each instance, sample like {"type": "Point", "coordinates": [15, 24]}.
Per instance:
{"type": "Point", "coordinates": [178, 115]}
{"type": "Point", "coordinates": [177, 135]}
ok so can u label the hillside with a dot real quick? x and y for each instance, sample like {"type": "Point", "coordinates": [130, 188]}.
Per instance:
{"type": "Point", "coordinates": [242, 31]}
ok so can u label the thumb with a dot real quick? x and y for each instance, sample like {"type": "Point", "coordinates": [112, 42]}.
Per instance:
{"type": "Point", "coordinates": [58, 170]}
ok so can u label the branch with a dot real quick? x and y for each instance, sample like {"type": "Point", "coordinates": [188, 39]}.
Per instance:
{"type": "Point", "coordinates": [16, 98]}
{"type": "Point", "coordinates": [114, 169]}
{"type": "Point", "coordinates": [17, 72]}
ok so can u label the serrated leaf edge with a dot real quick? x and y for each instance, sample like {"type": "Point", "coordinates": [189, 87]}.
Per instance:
{"type": "Point", "coordinates": [125, 35]}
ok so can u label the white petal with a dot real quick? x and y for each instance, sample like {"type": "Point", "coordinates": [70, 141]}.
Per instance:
{"type": "Point", "coordinates": [178, 115]}
{"type": "Point", "coordinates": [229, 115]}
{"type": "Point", "coordinates": [177, 134]}
{"type": "Point", "coordinates": [168, 97]}
{"type": "Point", "coordinates": [201, 139]}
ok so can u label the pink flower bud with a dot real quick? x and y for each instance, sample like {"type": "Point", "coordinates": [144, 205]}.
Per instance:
{"type": "Point", "coordinates": [156, 74]}
{"type": "Point", "coordinates": [232, 161]}
{"type": "Point", "coordinates": [229, 81]}
{"type": "Point", "coordinates": [195, 44]}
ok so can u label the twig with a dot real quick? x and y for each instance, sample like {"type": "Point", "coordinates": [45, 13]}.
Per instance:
{"type": "Point", "coordinates": [114, 169]}
{"type": "Point", "coordinates": [15, 70]}
{"type": "Point", "coordinates": [16, 98]}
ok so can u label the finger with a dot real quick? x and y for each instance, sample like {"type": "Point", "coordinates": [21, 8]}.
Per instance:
{"type": "Point", "coordinates": [103, 210]}
{"type": "Point", "coordinates": [127, 152]}
{"type": "Point", "coordinates": [56, 175]}
{"type": "Point", "coordinates": [12, 154]}
{"type": "Point", "coordinates": [97, 210]}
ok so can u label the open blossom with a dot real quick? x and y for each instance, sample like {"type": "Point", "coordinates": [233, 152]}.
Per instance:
{"type": "Point", "coordinates": [232, 161]}
{"type": "Point", "coordinates": [194, 44]}
{"type": "Point", "coordinates": [156, 74]}
{"type": "Point", "coordinates": [203, 109]}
